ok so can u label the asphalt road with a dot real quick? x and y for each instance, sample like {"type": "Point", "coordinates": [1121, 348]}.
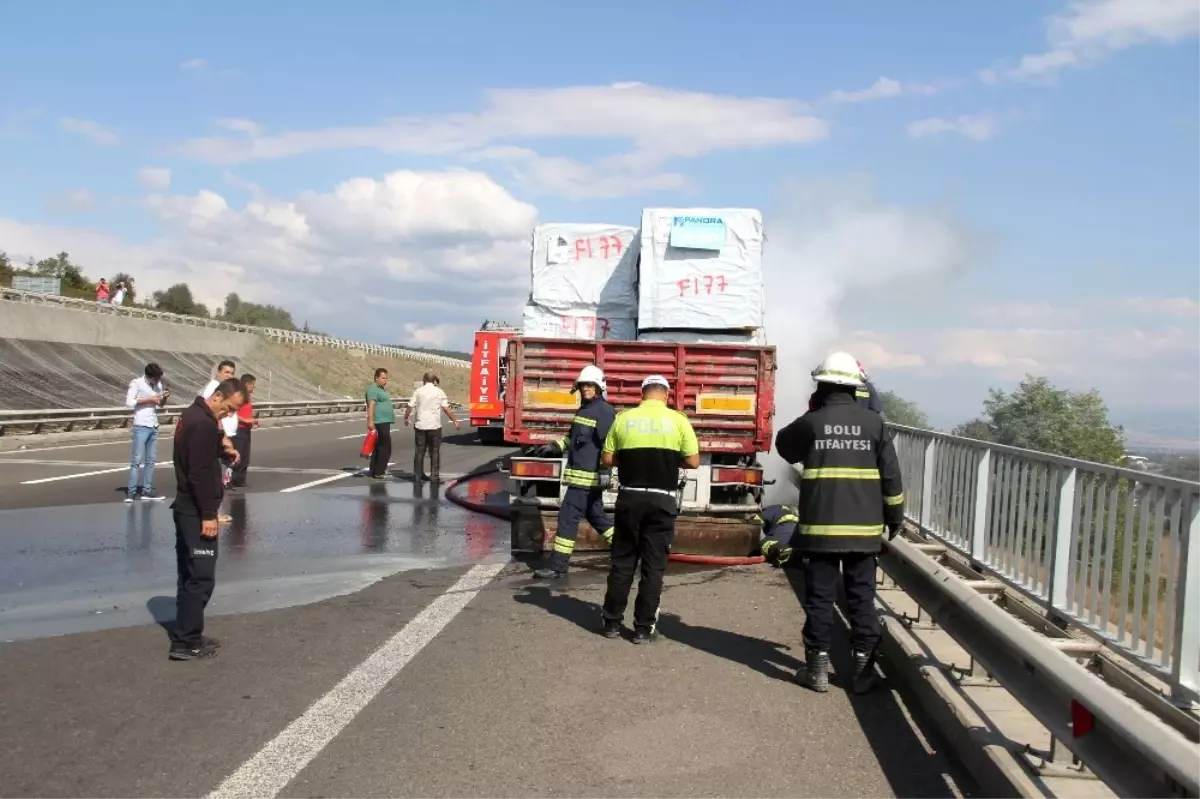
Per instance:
{"type": "Point", "coordinates": [379, 641]}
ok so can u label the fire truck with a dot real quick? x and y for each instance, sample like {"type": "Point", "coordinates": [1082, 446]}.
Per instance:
{"type": "Point", "coordinates": [489, 378]}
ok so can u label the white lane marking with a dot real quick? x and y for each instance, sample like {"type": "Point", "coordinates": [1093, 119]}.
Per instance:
{"type": "Point", "coordinates": [356, 435]}
{"type": "Point", "coordinates": [32, 462]}
{"type": "Point", "coordinates": [323, 480]}
{"type": "Point", "coordinates": [85, 474]}
{"type": "Point", "coordinates": [284, 757]}
{"type": "Point", "coordinates": [166, 440]}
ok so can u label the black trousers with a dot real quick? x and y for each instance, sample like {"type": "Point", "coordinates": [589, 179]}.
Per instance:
{"type": "Point", "coordinates": [196, 568]}
{"type": "Point", "coordinates": [241, 442]}
{"type": "Point", "coordinates": [430, 440]}
{"type": "Point", "coordinates": [645, 525]}
{"type": "Point", "coordinates": [857, 574]}
{"type": "Point", "coordinates": [383, 449]}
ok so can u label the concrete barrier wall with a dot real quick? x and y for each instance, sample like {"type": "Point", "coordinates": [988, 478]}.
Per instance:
{"type": "Point", "coordinates": [68, 326]}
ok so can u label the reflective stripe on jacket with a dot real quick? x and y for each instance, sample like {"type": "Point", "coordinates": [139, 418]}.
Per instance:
{"type": "Point", "coordinates": [851, 489]}
{"type": "Point", "coordinates": [584, 441]}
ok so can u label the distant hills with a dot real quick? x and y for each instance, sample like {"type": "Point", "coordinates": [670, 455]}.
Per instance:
{"type": "Point", "coordinates": [462, 356]}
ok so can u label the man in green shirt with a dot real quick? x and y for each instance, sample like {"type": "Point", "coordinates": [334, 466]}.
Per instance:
{"type": "Point", "coordinates": [380, 417]}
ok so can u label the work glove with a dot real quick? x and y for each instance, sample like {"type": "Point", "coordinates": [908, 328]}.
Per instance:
{"type": "Point", "coordinates": [605, 481]}
{"type": "Point", "coordinates": [550, 450]}
{"type": "Point", "coordinates": [894, 530]}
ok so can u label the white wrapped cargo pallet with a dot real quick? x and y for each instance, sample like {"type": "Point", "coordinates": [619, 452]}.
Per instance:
{"type": "Point", "coordinates": [750, 338]}
{"type": "Point", "coordinates": [583, 266]}
{"type": "Point", "coordinates": [700, 269]}
{"type": "Point", "coordinates": [538, 321]}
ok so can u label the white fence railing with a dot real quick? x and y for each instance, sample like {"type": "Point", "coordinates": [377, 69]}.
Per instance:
{"type": "Point", "coordinates": [272, 333]}
{"type": "Point", "coordinates": [1114, 552]}
{"type": "Point", "coordinates": [66, 420]}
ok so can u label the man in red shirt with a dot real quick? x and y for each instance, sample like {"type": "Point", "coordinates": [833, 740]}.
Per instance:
{"type": "Point", "coordinates": [241, 441]}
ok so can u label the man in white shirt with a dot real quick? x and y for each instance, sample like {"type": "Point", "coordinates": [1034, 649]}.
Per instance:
{"type": "Point", "coordinates": [429, 402]}
{"type": "Point", "coordinates": [144, 396]}
{"type": "Point", "coordinates": [225, 371]}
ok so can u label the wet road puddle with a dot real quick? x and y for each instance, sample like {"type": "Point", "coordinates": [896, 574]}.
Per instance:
{"type": "Point", "coordinates": [86, 567]}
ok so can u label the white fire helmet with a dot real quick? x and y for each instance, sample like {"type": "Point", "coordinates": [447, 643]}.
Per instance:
{"type": "Point", "coordinates": [839, 368]}
{"type": "Point", "coordinates": [591, 374]}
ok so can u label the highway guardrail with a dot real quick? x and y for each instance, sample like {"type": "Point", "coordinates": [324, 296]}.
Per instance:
{"type": "Point", "coordinates": [271, 333]}
{"type": "Point", "coordinates": [64, 420]}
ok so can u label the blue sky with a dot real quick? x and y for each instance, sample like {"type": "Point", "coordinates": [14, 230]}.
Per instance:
{"type": "Point", "coordinates": [1050, 146]}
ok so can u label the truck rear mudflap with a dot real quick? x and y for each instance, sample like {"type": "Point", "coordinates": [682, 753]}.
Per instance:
{"type": "Point", "coordinates": [534, 527]}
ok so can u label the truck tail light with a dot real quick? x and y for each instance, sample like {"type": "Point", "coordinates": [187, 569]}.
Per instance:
{"type": "Point", "coordinates": [724, 475]}
{"type": "Point", "coordinates": [535, 468]}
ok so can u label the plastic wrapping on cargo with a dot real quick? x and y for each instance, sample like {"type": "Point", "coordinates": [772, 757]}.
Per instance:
{"type": "Point", "coordinates": [701, 268]}
{"type": "Point", "coordinates": [590, 325]}
{"type": "Point", "coordinates": [583, 266]}
{"type": "Point", "coordinates": [750, 338]}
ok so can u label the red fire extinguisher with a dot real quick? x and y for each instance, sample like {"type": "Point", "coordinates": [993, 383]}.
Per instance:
{"type": "Point", "coordinates": [368, 444]}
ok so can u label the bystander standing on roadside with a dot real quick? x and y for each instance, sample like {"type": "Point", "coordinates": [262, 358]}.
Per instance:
{"type": "Point", "coordinates": [429, 402]}
{"type": "Point", "coordinates": [226, 370]}
{"type": "Point", "coordinates": [198, 495]}
{"type": "Point", "coordinates": [102, 291]}
{"type": "Point", "coordinates": [381, 415]}
{"type": "Point", "coordinates": [145, 395]}
{"type": "Point", "coordinates": [241, 441]}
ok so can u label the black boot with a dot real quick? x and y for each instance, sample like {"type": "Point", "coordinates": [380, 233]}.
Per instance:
{"type": "Point", "coordinates": [816, 669]}
{"type": "Point", "coordinates": [864, 672]}
{"type": "Point", "coordinates": [549, 573]}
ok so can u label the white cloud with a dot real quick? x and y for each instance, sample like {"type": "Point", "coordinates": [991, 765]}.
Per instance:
{"type": "Point", "coordinates": [89, 129]}
{"type": "Point", "coordinates": [1090, 30]}
{"type": "Point", "coordinates": [615, 176]}
{"type": "Point", "coordinates": [979, 127]}
{"type": "Point", "coordinates": [1044, 312]}
{"type": "Point", "coordinates": [240, 125]}
{"type": "Point", "coordinates": [883, 88]}
{"type": "Point", "coordinates": [74, 200]}
{"type": "Point", "coordinates": [194, 64]}
{"type": "Point", "coordinates": [659, 123]}
{"type": "Point", "coordinates": [155, 178]}
{"type": "Point", "coordinates": [441, 336]}
{"type": "Point", "coordinates": [438, 250]}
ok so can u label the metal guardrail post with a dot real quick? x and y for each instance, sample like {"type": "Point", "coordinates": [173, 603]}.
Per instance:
{"type": "Point", "coordinates": [927, 474]}
{"type": "Point", "coordinates": [1186, 665]}
{"type": "Point", "coordinates": [1066, 524]}
{"type": "Point", "coordinates": [979, 517]}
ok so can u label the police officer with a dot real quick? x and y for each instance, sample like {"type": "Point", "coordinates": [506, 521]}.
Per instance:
{"type": "Point", "coordinates": [583, 476]}
{"type": "Point", "coordinates": [648, 444]}
{"type": "Point", "coordinates": [850, 492]}
{"type": "Point", "coordinates": [778, 526]}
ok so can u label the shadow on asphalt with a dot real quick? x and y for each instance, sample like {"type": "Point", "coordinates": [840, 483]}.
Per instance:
{"type": "Point", "coordinates": [902, 754]}
{"type": "Point", "coordinates": [162, 610]}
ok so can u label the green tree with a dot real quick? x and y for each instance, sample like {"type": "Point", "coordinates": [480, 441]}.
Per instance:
{"type": "Point", "coordinates": [60, 266]}
{"type": "Point", "coordinates": [6, 269]}
{"type": "Point", "coordinates": [1185, 467]}
{"type": "Point", "coordinates": [240, 312]}
{"type": "Point", "coordinates": [1040, 417]}
{"type": "Point", "coordinates": [898, 410]}
{"type": "Point", "coordinates": [178, 299]}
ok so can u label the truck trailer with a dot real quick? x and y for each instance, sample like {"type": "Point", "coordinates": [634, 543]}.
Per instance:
{"type": "Point", "coordinates": [727, 392]}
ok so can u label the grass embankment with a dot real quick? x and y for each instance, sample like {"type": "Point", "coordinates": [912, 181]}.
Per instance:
{"type": "Point", "coordinates": [348, 372]}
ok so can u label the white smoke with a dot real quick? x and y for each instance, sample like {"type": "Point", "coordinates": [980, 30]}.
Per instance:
{"type": "Point", "coordinates": [832, 244]}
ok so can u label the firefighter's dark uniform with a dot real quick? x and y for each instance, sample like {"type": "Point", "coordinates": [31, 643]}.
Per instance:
{"type": "Point", "coordinates": [648, 443]}
{"type": "Point", "coordinates": [584, 497]}
{"type": "Point", "coordinates": [779, 525]}
{"type": "Point", "coordinates": [868, 397]}
{"type": "Point", "coordinates": [850, 494]}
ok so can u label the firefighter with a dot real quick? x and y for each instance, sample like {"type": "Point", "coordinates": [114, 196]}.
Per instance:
{"type": "Point", "coordinates": [866, 395]}
{"type": "Point", "coordinates": [779, 525]}
{"type": "Point", "coordinates": [850, 493]}
{"type": "Point", "coordinates": [583, 476]}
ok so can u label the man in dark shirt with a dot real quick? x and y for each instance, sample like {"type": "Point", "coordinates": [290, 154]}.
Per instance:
{"type": "Point", "coordinates": [198, 494]}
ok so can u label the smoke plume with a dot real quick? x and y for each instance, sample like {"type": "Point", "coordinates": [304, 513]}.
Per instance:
{"type": "Point", "coordinates": [829, 245]}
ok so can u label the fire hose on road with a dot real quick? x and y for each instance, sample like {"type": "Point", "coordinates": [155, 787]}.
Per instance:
{"type": "Point", "coordinates": [502, 512]}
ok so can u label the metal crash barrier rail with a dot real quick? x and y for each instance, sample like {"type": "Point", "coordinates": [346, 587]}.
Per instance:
{"type": "Point", "coordinates": [64, 420]}
{"type": "Point", "coordinates": [271, 333]}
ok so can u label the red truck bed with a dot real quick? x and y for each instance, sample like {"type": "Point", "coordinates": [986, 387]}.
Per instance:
{"type": "Point", "coordinates": [726, 390]}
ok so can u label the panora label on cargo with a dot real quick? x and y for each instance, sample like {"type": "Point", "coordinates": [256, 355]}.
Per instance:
{"type": "Point", "coordinates": [698, 232]}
